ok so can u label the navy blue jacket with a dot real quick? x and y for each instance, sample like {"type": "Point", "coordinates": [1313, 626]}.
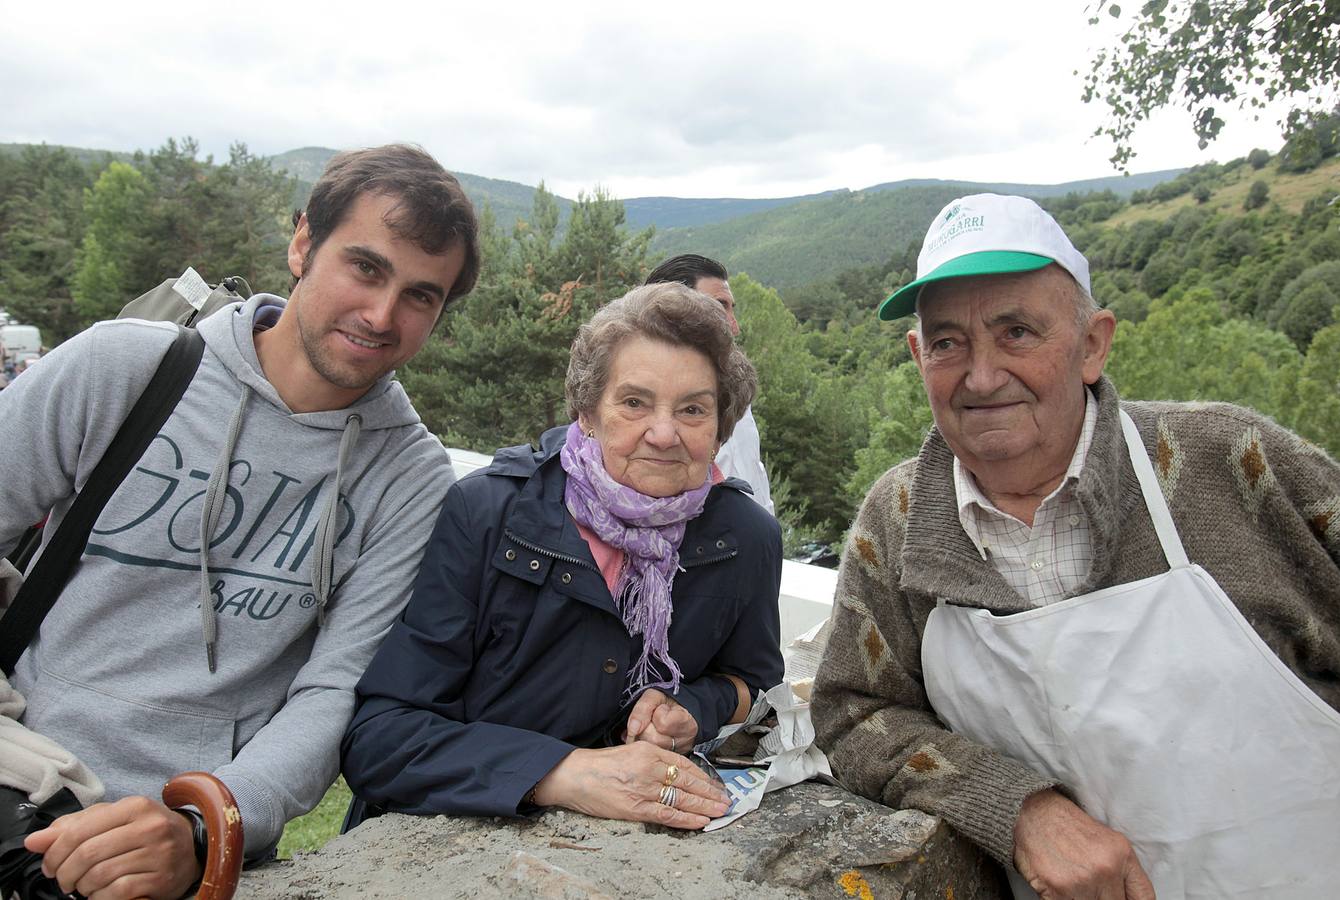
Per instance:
{"type": "Point", "coordinates": [511, 652]}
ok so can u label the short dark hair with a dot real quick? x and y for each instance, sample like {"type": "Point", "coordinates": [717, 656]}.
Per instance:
{"type": "Point", "coordinates": [432, 209]}
{"type": "Point", "coordinates": [675, 315]}
{"type": "Point", "coordinates": [687, 269]}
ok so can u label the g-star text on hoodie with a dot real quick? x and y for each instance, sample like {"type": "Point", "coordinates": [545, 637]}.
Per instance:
{"type": "Point", "coordinates": [259, 559]}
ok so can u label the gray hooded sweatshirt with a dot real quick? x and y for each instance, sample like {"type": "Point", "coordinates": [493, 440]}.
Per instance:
{"type": "Point", "coordinates": [302, 582]}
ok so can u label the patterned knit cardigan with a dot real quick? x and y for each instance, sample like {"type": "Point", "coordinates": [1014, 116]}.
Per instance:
{"type": "Point", "coordinates": [1256, 506]}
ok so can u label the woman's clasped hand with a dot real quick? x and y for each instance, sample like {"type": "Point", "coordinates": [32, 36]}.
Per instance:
{"type": "Point", "coordinates": [658, 719]}
{"type": "Point", "coordinates": [630, 782]}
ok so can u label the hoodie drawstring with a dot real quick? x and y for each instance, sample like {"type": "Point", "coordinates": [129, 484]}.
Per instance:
{"type": "Point", "coordinates": [327, 526]}
{"type": "Point", "coordinates": [216, 493]}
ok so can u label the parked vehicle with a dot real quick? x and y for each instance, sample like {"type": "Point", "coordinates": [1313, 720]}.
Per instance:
{"type": "Point", "coordinates": [20, 342]}
{"type": "Point", "coordinates": [816, 553]}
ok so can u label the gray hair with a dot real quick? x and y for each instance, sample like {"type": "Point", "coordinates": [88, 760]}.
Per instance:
{"type": "Point", "coordinates": [1085, 305]}
{"type": "Point", "coordinates": [675, 315]}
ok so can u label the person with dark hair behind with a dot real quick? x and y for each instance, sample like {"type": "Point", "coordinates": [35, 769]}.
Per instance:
{"type": "Point", "coordinates": [244, 572]}
{"type": "Point", "coordinates": [741, 456]}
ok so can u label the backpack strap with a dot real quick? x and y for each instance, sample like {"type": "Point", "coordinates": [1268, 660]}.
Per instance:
{"type": "Point", "coordinates": [54, 567]}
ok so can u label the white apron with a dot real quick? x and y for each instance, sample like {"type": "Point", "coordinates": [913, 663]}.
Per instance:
{"type": "Point", "coordinates": [1165, 714]}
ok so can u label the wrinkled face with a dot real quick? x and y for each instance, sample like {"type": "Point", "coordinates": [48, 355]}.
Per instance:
{"type": "Point", "coordinates": [1005, 367]}
{"type": "Point", "coordinates": [719, 291]}
{"type": "Point", "coordinates": [656, 422]}
{"type": "Point", "coordinates": [366, 299]}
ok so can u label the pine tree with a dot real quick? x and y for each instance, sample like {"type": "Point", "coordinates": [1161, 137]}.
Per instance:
{"type": "Point", "coordinates": [493, 375]}
{"type": "Point", "coordinates": [41, 223]}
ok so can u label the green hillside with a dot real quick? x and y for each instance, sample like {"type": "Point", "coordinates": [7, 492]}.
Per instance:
{"type": "Point", "coordinates": [1288, 190]}
{"type": "Point", "coordinates": [305, 163]}
{"type": "Point", "coordinates": [677, 212]}
{"type": "Point", "coordinates": [96, 158]}
{"type": "Point", "coordinates": [509, 200]}
{"type": "Point", "coordinates": [784, 241]}
{"type": "Point", "coordinates": [680, 212]}
{"type": "Point", "coordinates": [814, 239]}
{"type": "Point", "coordinates": [1121, 185]}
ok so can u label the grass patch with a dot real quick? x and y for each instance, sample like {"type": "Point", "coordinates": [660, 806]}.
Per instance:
{"type": "Point", "coordinates": [1289, 190]}
{"type": "Point", "coordinates": [310, 832]}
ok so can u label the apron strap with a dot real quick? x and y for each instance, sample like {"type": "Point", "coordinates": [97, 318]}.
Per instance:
{"type": "Point", "coordinates": [1154, 499]}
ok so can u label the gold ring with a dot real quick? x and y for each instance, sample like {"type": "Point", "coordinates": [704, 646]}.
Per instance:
{"type": "Point", "coordinates": [671, 773]}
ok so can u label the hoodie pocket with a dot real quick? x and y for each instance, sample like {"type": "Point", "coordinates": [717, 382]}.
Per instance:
{"type": "Point", "coordinates": [133, 747]}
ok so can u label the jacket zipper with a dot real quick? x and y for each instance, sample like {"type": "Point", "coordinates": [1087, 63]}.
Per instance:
{"type": "Point", "coordinates": [549, 553]}
{"type": "Point", "coordinates": [690, 564]}
{"type": "Point", "coordinates": [694, 563]}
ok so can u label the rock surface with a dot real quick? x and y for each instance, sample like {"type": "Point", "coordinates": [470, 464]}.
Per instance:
{"type": "Point", "coordinates": [810, 840]}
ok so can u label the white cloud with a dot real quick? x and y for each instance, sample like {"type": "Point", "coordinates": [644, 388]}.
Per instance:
{"type": "Point", "coordinates": [695, 99]}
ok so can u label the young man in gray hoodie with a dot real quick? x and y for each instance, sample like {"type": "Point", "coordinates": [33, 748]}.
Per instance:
{"type": "Point", "coordinates": [300, 465]}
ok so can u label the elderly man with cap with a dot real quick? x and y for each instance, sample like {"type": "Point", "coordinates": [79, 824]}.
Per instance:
{"type": "Point", "coordinates": [1100, 638]}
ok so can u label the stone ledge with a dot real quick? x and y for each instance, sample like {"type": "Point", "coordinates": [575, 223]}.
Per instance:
{"type": "Point", "coordinates": [810, 840]}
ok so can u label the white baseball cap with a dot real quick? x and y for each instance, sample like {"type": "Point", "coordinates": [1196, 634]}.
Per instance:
{"type": "Point", "coordinates": [987, 234]}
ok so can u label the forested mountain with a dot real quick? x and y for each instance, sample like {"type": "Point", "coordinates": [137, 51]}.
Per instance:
{"type": "Point", "coordinates": [679, 212]}
{"type": "Point", "coordinates": [510, 200]}
{"type": "Point", "coordinates": [1226, 280]}
{"type": "Point", "coordinates": [96, 158]}
{"type": "Point", "coordinates": [816, 238]}
{"type": "Point", "coordinates": [784, 241]}
{"type": "Point", "coordinates": [1121, 185]}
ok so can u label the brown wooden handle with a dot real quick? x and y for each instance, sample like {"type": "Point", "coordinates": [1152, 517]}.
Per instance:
{"type": "Point", "coordinates": [224, 824]}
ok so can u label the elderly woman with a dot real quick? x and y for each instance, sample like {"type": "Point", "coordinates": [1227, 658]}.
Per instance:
{"type": "Point", "coordinates": [587, 612]}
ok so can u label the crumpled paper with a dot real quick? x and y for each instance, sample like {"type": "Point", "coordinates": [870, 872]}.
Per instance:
{"type": "Point", "coordinates": [786, 755]}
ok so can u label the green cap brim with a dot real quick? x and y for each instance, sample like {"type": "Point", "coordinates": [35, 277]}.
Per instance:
{"type": "Point", "coordinates": [903, 302]}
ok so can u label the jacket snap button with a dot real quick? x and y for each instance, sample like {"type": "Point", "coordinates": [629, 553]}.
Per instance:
{"type": "Point", "coordinates": [535, 565]}
{"type": "Point", "coordinates": [721, 545]}
{"type": "Point", "coordinates": [700, 550]}
{"type": "Point", "coordinates": [567, 577]}
{"type": "Point", "coordinates": [610, 667]}
{"type": "Point", "coordinates": [510, 554]}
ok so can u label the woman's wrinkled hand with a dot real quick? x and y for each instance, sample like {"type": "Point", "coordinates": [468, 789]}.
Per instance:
{"type": "Point", "coordinates": [628, 783]}
{"type": "Point", "coordinates": [658, 719]}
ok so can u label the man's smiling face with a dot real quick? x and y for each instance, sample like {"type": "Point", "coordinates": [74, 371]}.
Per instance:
{"type": "Point", "coordinates": [1005, 364]}
{"type": "Point", "coordinates": [366, 299]}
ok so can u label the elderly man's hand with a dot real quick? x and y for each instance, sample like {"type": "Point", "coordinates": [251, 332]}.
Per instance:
{"type": "Point", "coordinates": [657, 718]}
{"type": "Point", "coordinates": [1061, 851]}
{"type": "Point", "coordinates": [627, 783]}
{"type": "Point", "coordinates": [135, 847]}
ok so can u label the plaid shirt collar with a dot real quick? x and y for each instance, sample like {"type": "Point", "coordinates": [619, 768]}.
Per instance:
{"type": "Point", "coordinates": [972, 503]}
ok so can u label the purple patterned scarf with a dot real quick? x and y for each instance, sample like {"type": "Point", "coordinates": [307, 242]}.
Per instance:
{"type": "Point", "coordinates": [648, 530]}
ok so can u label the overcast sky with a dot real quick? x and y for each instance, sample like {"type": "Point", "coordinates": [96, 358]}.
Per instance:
{"type": "Point", "coordinates": [677, 98]}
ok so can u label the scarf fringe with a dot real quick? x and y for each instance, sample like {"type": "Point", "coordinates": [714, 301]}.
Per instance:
{"type": "Point", "coordinates": [649, 531]}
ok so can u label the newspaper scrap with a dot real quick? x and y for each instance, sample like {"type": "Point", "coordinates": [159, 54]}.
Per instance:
{"type": "Point", "coordinates": [786, 755]}
{"type": "Point", "coordinates": [802, 657]}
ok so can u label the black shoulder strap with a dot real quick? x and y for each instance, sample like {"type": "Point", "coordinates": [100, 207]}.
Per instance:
{"type": "Point", "coordinates": [53, 568]}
